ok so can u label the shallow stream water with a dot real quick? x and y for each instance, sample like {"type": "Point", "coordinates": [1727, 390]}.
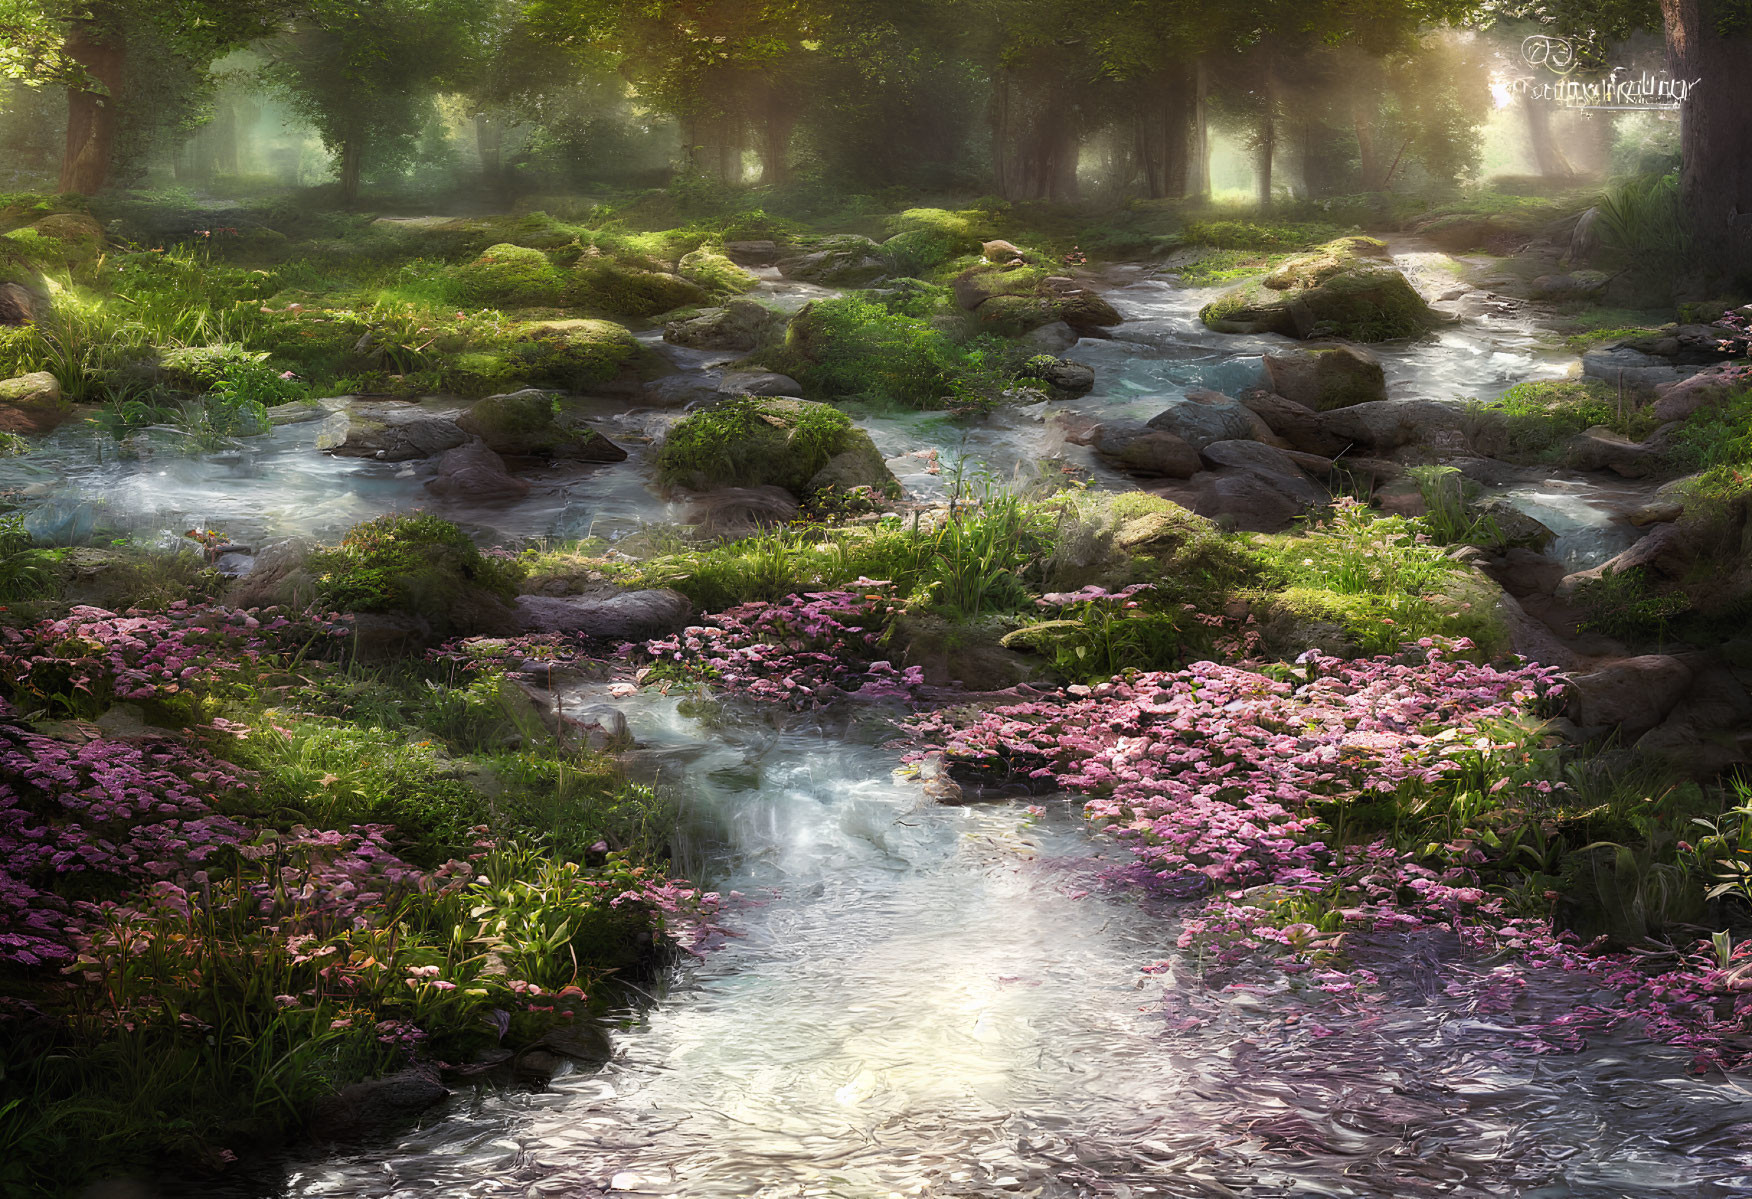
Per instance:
{"type": "Point", "coordinates": [923, 1000]}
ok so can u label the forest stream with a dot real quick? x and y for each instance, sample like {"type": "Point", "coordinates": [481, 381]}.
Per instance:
{"type": "Point", "coordinates": [916, 999]}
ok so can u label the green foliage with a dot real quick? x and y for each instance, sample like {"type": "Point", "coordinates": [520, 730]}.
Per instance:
{"type": "Point", "coordinates": [418, 565]}
{"type": "Point", "coordinates": [852, 346]}
{"type": "Point", "coordinates": [1532, 420]}
{"type": "Point", "coordinates": [1447, 516]}
{"type": "Point", "coordinates": [980, 559]}
{"type": "Point", "coordinates": [1379, 578]}
{"type": "Point", "coordinates": [1621, 604]}
{"type": "Point", "coordinates": [1282, 237]}
{"type": "Point", "coordinates": [1642, 221]}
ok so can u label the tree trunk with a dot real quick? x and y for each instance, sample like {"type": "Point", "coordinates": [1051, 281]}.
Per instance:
{"type": "Point", "coordinates": [1715, 182]}
{"type": "Point", "coordinates": [1199, 153]}
{"type": "Point", "coordinates": [352, 159]}
{"type": "Point", "coordinates": [1368, 160]}
{"type": "Point", "coordinates": [1267, 137]}
{"type": "Point", "coordinates": [489, 142]}
{"type": "Point", "coordinates": [1547, 158]}
{"type": "Point", "coordinates": [779, 121]}
{"type": "Point", "coordinates": [91, 115]}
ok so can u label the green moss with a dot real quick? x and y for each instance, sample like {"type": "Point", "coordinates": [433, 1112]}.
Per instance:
{"type": "Point", "coordinates": [1113, 539]}
{"type": "Point", "coordinates": [416, 564]}
{"type": "Point", "coordinates": [1582, 342]}
{"type": "Point", "coordinates": [630, 289]}
{"type": "Point", "coordinates": [714, 274]}
{"type": "Point", "coordinates": [576, 355]}
{"type": "Point", "coordinates": [200, 368]}
{"type": "Point", "coordinates": [508, 276]}
{"type": "Point", "coordinates": [1257, 235]}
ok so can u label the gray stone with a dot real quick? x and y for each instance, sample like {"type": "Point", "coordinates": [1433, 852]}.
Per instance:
{"type": "Point", "coordinates": [752, 253]}
{"type": "Point", "coordinates": [612, 615]}
{"type": "Point", "coordinates": [1054, 338]}
{"type": "Point", "coordinates": [1600, 448]}
{"type": "Point", "coordinates": [737, 512]}
{"type": "Point", "coordinates": [1139, 449]}
{"type": "Point", "coordinates": [758, 383]}
{"type": "Point", "coordinates": [395, 432]}
{"type": "Point", "coordinates": [1632, 368]}
{"type": "Point", "coordinates": [1203, 417]}
{"type": "Point", "coordinates": [475, 472]}
{"type": "Point", "coordinates": [370, 1108]}
{"type": "Point", "coordinates": [1071, 378]}
{"type": "Point", "coordinates": [529, 424]}
{"type": "Point", "coordinates": [738, 325]}
{"type": "Point", "coordinates": [1327, 378]}
{"type": "Point", "coordinates": [1297, 424]}
{"type": "Point", "coordinates": [1389, 424]}
{"type": "Point", "coordinates": [1633, 694]}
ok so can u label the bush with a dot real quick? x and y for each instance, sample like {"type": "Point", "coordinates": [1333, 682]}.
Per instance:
{"type": "Point", "coordinates": [419, 565]}
{"type": "Point", "coordinates": [851, 346]}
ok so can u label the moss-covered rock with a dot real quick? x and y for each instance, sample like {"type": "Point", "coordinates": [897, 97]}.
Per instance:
{"type": "Point", "coordinates": [1347, 288]}
{"type": "Point", "coordinates": [1113, 539]}
{"type": "Point", "coordinates": [711, 271]}
{"type": "Point", "coordinates": [846, 260]}
{"type": "Point", "coordinates": [738, 325]}
{"type": "Point", "coordinates": [629, 288]}
{"type": "Point", "coordinates": [78, 234]}
{"type": "Point", "coordinates": [420, 567]}
{"type": "Point", "coordinates": [578, 355]}
{"type": "Point", "coordinates": [758, 441]}
{"type": "Point", "coordinates": [508, 276]}
{"type": "Point", "coordinates": [1327, 378]}
{"type": "Point", "coordinates": [533, 424]}
{"type": "Point", "coordinates": [31, 403]}
{"type": "Point", "coordinates": [926, 239]}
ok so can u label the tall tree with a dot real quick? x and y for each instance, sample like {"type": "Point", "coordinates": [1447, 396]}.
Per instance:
{"type": "Point", "coordinates": [364, 72]}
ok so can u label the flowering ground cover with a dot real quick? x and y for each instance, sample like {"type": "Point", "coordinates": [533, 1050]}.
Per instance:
{"type": "Point", "coordinates": [206, 921]}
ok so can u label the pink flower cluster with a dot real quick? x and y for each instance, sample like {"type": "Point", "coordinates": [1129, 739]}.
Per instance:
{"type": "Point", "coordinates": [93, 656]}
{"type": "Point", "coordinates": [804, 650]}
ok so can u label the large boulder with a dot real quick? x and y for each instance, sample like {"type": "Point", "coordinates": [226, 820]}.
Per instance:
{"type": "Point", "coordinates": [1389, 424]}
{"type": "Point", "coordinates": [1327, 378]}
{"type": "Point", "coordinates": [846, 260]}
{"type": "Point", "coordinates": [609, 614]}
{"type": "Point", "coordinates": [755, 441]}
{"type": "Point", "coordinates": [367, 1109]}
{"type": "Point", "coordinates": [1201, 417]}
{"type": "Point", "coordinates": [1709, 387]}
{"type": "Point", "coordinates": [738, 325]}
{"type": "Point", "coordinates": [715, 273]}
{"type": "Point", "coordinates": [1297, 425]}
{"type": "Point", "coordinates": [1345, 289]}
{"type": "Point", "coordinates": [1627, 367]}
{"type": "Point", "coordinates": [475, 472]}
{"type": "Point", "coordinates": [1632, 695]}
{"type": "Point", "coordinates": [1140, 450]}
{"type": "Point", "coordinates": [1275, 466]}
{"type": "Point", "coordinates": [737, 512]}
{"type": "Point", "coordinates": [531, 424]}
{"type": "Point", "coordinates": [1061, 374]}
{"type": "Point", "coordinates": [752, 253]}
{"type": "Point", "coordinates": [1602, 448]}
{"type": "Point", "coordinates": [392, 432]}
{"type": "Point", "coordinates": [630, 289]}
{"type": "Point", "coordinates": [32, 403]}
{"type": "Point", "coordinates": [575, 355]}
{"type": "Point", "coordinates": [1016, 300]}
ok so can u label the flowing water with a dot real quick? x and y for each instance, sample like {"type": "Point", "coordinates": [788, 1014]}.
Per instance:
{"type": "Point", "coordinates": [920, 1000]}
